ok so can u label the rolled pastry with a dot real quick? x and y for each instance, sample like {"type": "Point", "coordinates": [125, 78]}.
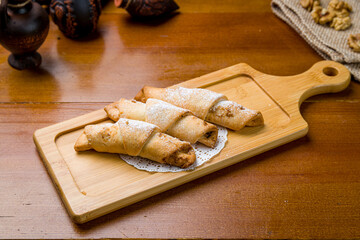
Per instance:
{"type": "Point", "coordinates": [205, 104]}
{"type": "Point", "coordinates": [136, 138]}
{"type": "Point", "coordinates": [172, 120]}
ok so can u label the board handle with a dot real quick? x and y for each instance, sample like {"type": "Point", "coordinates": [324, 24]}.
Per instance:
{"type": "Point", "coordinates": [324, 77]}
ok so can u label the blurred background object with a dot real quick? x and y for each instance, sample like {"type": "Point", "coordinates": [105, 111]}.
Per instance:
{"type": "Point", "coordinates": [24, 26]}
{"type": "Point", "coordinates": [76, 18]}
{"type": "Point", "coordinates": [147, 8]}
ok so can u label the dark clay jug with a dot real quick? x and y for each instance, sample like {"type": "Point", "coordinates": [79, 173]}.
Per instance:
{"type": "Point", "coordinates": [76, 18]}
{"type": "Point", "coordinates": [147, 8]}
{"type": "Point", "coordinates": [24, 26]}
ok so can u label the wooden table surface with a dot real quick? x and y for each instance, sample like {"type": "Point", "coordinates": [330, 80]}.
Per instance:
{"type": "Point", "coordinates": [309, 188]}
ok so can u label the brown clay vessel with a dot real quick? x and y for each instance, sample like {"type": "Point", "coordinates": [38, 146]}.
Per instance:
{"type": "Point", "coordinates": [76, 18]}
{"type": "Point", "coordinates": [24, 26]}
{"type": "Point", "coordinates": [147, 8]}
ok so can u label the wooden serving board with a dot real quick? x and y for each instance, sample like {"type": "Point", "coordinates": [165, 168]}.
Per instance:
{"type": "Point", "coordinates": [92, 184]}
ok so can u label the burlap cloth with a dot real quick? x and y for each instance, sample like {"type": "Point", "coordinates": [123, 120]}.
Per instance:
{"type": "Point", "coordinates": [328, 42]}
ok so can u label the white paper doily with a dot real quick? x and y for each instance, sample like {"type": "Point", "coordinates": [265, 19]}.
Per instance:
{"type": "Point", "coordinates": [203, 154]}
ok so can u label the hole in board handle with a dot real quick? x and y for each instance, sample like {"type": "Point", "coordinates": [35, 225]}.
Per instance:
{"type": "Point", "coordinates": [330, 71]}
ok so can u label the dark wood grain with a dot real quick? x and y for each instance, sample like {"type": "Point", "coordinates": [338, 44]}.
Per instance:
{"type": "Point", "coordinates": [308, 188]}
{"type": "Point", "coordinates": [305, 189]}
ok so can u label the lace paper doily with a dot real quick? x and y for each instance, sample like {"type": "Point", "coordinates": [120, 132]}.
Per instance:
{"type": "Point", "coordinates": [203, 154]}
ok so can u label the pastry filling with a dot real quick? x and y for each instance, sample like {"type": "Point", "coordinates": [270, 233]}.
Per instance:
{"type": "Point", "coordinates": [208, 134]}
{"type": "Point", "coordinates": [184, 157]}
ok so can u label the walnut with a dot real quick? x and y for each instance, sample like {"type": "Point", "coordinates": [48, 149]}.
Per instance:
{"type": "Point", "coordinates": [339, 5]}
{"type": "Point", "coordinates": [340, 23]}
{"type": "Point", "coordinates": [341, 10]}
{"type": "Point", "coordinates": [342, 13]}
{"type": "Point", "coordinates": [322, 15]}
{"type": "Point", "coordinates": [354, 42]}
{"type": "Point", "coordinates": [309, 4]}
{"type": "Point", "coordinates": [337, 14]}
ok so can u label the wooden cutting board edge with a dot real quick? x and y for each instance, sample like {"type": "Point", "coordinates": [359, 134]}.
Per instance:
{"type": "Point", "coordinates": [61, 175]}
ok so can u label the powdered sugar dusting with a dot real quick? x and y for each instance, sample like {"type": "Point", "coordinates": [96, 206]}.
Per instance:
{"type": "Point", "coordinates": [162, 114]}
{"type": "Point", "coordinates": [182, 94]}
{"type": "Point", "coordinates": [137, 125]}
{"type": "Point", "coordinates": [197, 100]}
{"type": "Point", "coordinates": [201, 93]}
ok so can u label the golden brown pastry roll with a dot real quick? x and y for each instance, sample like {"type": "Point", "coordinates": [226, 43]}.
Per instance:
{"type": "Point", "coordinates": [172, 120]}
{"type": "Point", "coordinates": [136, 138]}
{"type": "Point", "coordinates": [205, 104]}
